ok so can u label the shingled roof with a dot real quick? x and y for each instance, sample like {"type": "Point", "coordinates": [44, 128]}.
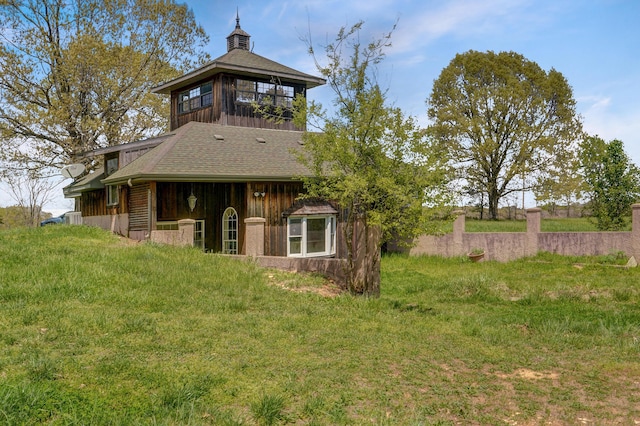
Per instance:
{"type": "Point", "coordinates": [203, 152]}
{"type": "Point", "coordinates": [241, 62]}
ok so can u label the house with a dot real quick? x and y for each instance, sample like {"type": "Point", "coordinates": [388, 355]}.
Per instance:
{"type": "Point", "coordinates": [221, 164]}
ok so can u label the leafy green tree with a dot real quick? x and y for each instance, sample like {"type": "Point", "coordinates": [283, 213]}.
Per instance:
{"type": "Point", "coordinates": [502, 119]}
{"type": "Point", "coordinates": [613, 181]}
{"type": "Point", "coordinates": [75, 76]}
{"type": "Point", "coordinates": [377, 164]}
{"type": "Point", "coordinates": [563, 184]}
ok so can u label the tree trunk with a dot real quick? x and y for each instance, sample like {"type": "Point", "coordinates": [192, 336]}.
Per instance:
{"type": "Point", "coordinates": [493, 206]}
{"type": "Point", "coordinates": [363, 274]}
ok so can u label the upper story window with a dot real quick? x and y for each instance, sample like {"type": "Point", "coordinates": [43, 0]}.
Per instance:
{"type": "Point", "coordinates": [112, 166]}
{"type": "Point", "coordinates": [257, 91]}
{"type": "Point", "coordinates": [195, 98]}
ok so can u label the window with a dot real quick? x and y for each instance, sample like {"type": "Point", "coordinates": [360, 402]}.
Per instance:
{"type": "Point", "coordinates": [264, 93]}
{"type": "Point", "coordinates": [230, 231]}
{"type": "Point", "coordinates": [167, 226]}
{"type": "Point", "coordinates": [112, 166]}
{"type": "Point", "coordinates": [198, 97]}
{"type": "Point", "coordinates": [113, 196]}
{"type": "Point", "coordinates": [198, 234]}
{"type": "Point", "coordinates": [309, 236]}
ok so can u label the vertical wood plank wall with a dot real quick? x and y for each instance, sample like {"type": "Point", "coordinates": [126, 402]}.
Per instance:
{"type": "Point", "coordinates": [224, 108]}
{"type": "Point", "coordinates": [214, 198]}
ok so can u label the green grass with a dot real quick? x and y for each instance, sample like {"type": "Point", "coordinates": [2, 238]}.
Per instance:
{"type": "Point", "coordinates": [97, 331]}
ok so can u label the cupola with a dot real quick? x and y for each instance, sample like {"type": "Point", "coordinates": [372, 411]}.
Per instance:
{"type": "Point", "coordinates": [238, 39]}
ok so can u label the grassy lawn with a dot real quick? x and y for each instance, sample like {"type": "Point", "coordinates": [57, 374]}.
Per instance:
{"type": "Point", "coordinates": [95, 330]}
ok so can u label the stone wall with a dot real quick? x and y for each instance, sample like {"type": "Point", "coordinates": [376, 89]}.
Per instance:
{"type": "Point", "coordinates": [184, 236]}
{"type": "Point", "coordinates": [505, 246]}
{"type": "Point", "coordinates": [118, 224]}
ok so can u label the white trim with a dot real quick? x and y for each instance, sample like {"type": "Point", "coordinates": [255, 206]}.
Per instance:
{"type": "Point", "coordinates": [230, 231]}
{"type": "Point", "coordinates": [298, 238]}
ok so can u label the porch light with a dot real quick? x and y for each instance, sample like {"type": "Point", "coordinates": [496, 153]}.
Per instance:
{"type": "Point", "coordinates": [192, 201]}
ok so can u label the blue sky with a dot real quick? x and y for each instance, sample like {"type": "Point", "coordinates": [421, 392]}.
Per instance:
{"type": "Point", "coordinates": [593, 43]}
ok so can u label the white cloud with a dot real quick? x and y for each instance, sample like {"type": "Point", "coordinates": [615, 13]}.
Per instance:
{"type": "Point", "coordinates": [601, 119]}
{"type": "Point", "coordinates": [457, 18]}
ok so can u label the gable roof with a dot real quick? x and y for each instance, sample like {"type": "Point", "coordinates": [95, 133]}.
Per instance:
{"type": "Point", "coordinates": [241, 62]}
{"type": "Point", "coordinates": [203, 152]}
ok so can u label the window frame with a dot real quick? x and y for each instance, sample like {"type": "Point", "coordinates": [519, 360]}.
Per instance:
{"type": "Point", "coordinates": [280, 95]}
{"type": "Point", "coordinates": [302, 248]}
{"type": "Point", "coordinates": [111, 166]}
{"type": "Point", "coordinates": [113, 195]}
{"type": "Point", "coordinates": [196, 98]}
{"type": "Point", "coordinates": [230, 244]}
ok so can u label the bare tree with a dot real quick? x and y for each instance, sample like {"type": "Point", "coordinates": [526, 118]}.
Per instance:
{"type": "Point", "coordinates": [30, 192]}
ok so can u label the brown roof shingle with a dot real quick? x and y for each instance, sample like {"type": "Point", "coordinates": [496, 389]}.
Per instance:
{"type": "Point", "coordinates": [241, 62]}
{"type": "Point", "coordinates": [213, 152]}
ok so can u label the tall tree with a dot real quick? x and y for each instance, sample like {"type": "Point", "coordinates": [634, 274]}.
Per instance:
{"type": "Point", "coordinates": [562, 185]}
{"type": "Point", "coordinates": [75, 75]}
{"type": "Point", "coordinates": [502, 118]}
{"type": "Point", "coordinates": [613, 181]}
{"type": "Point", "coordinates": [377, 164]}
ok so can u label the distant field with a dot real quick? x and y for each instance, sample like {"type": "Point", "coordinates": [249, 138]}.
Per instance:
{"type": "Point", "coordinates": [546, 225]}
{"type": "Point", "coordinates": [97, 330]}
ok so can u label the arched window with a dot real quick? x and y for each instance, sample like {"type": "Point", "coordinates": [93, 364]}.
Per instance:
{"type": "Point", "coordinates": [230, 231]}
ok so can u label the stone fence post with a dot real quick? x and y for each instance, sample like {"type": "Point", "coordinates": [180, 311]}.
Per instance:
{"type": "Point", "coordinates": [458, 230]}
{"type": "Point", "coordinates": [635, 231]}
{"type": "Point", "coordinates": [254, 236]}
{"type": "Point", "coordinates": [186, 229]}
{"type": "Point", "coordinates": [533, 229]}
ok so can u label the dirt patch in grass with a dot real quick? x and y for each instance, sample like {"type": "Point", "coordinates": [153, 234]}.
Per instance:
{"type": "Point", "coordinates": [304, 283]}
{"type": "Point", "coordinates": [525, 373]}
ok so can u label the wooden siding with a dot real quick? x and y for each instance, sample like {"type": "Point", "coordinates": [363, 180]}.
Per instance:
{"type": "Point", "coordinates": [278, 197]}
{"type": "Point", "coordinates": [224, 108]}
{"type": "Point", "coordinates": [128, 155]}
{"type": "Point", "coordinates": [214, 198]}
{"type": "Point", "coordinates": [94, 203]}
{"type": "Point", "coordinates": [212, 201]}
{"type": "Point", "coordinates": [208, 114]}
{"type": "Point", "coordinates": [139, 207]}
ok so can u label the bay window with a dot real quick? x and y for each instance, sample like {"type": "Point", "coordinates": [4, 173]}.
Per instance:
{"type": "Point", "coordinates": [309, 236]}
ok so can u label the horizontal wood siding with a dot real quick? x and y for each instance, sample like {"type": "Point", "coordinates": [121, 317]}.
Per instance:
{"type": "Point", "coordinates": [139, 207]}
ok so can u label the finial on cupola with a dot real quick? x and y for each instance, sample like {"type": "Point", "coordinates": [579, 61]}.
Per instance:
{"type": "Point", "coordinates": [238, 39]}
